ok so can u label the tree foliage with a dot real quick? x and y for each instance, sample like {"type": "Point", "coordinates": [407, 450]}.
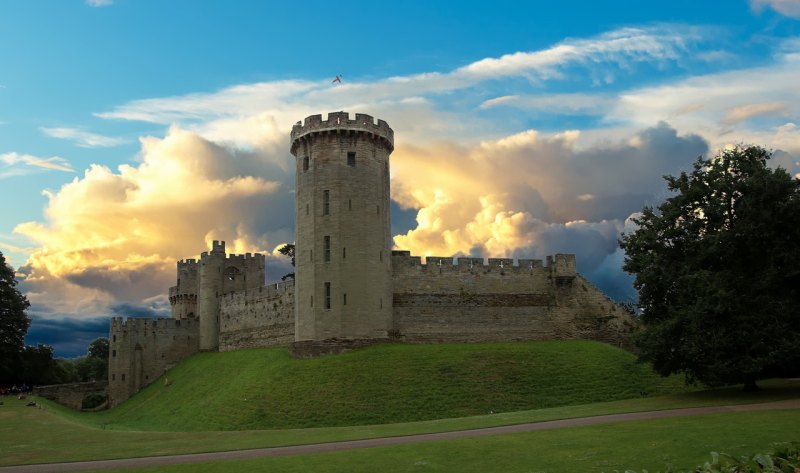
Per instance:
{"type": "Point", "coordinates": [717, 268]}
{"type": "Point", "coordinates": [14, 322]}
{"type": "Point", "coordinates": [99, 348]}
{"type": "Point", "coordinates": [287, 250]}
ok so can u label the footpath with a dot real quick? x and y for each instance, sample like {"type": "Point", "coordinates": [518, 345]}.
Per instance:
{"type": "Point", "coordinates": [143, 462]}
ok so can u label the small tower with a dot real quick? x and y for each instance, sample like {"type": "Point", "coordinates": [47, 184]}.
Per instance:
{"type": "Point", "coordinates": [183, 296]}
{"type": "Point", "coordinates": [209, 290]}
{"type": "Point", "coordinates": [343, 259]}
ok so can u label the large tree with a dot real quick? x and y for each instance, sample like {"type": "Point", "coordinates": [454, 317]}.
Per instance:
{"type": "Point", "coordinates": [717, 268]}
{"type": "Point", "coordinates": [14, 322]}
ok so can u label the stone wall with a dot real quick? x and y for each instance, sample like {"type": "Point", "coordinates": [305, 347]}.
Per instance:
{"type": "Point", "coordinates": [141, 350]}
{"type": "Point", "coordinates": [72, 394]}
{"type": "Point", "coordinates": [254, 318]}
{"type": "Point", "coordinates": [472, 302]}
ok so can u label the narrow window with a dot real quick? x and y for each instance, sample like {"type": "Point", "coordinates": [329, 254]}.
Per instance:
{"type": "Point", "coordinates": [327, 295]}
{"type": "Point", "coordinates": [344, 299]}
{"type": "Point", "coordinates": [113, 377]}
{"type": "Point", "coordinates": [312, 301]}
{"type": "Point", "coordinates": [349, 204]}
{"type": "Point", "coordinates": [311, 253]}
{"type": "Point", "coordinates": [351, 159]}
{"type": "Point", "coordinates": [113, 353]}
{"type": "Point", "coordinates": [381, 303]}
{"type": "Point", "coordinates": [327, 248]}
{"type": "Point", "coordinates": [380, 256]}
{"type": "Point", "coordinates": [378, 209]}
{"type": "Point", "coordinates": [305, 163]}
{"type": "Point", "coordinates": [344, 253]}
{"type": "Point", "coordinates": [326, 202]}
{"type": "Point", "coordinates": [114, 338]}
{"type": "Point", "coordinates": [123, 376]}
{"type": "Point", "coordinates": [306, 209]}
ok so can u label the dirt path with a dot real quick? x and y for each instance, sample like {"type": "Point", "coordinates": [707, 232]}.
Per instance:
{"type": "Point", "coordinates": [388, 441]}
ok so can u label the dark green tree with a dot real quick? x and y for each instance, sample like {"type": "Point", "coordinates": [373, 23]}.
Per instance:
{"type": "Point", "coordinates": [14, 323]}
{"type": "Point", "coordinates": [37, 366]}
{"type": "Point", "coordinates": [287, 250]}
{"type": "Point", "coordinates": [99, 348]}
{"type": "Point", "coordinates": [717, 268]}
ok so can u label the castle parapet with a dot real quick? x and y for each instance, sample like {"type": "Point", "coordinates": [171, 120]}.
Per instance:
{"type": "Point", "coordinates": [340, 122]}
{"type": "Point", "coordinates": [563, 265]}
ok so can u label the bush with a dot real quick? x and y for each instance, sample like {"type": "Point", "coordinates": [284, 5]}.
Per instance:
{"type": "Point", "coordinates": [92, 400]}
{"type": "Point", "coordinates": [785, 458]}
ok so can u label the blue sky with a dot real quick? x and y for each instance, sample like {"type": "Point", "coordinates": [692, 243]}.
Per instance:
{"type": "Point", "coordinates": [133, 132]}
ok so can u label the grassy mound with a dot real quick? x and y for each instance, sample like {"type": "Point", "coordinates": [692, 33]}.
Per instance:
{"type": "Point", "coordinates": [266, 388]}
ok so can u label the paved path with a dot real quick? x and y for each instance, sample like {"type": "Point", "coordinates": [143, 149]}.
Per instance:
{"type": "Point", "coordinates": [387, 441]}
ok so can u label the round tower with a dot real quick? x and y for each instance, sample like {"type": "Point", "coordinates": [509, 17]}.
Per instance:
{"type": "Point", "coordinates": [342, 255]}
{"type": "Point", "coordinates": [208, 294]}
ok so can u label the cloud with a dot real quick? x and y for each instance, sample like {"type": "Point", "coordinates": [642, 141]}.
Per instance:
{"type": "Point", "coordinates": [790, 8]}
{"type": "Point", "coordinates": [15, 164]}
{"type": "Point", "coordinates": [563, 104]}
{"type": "Point", "coordinates": [70, 337]}
{"type": "Point", "coordinates": [532, 195]}
{"type": "Point", "coordinates": [404, 100]}
{"type": "Point", "coordinates": [82, 138]}
{"type": "Point", "coordinates": [99, 3]}
{"type": "Point", "coordinates": [111, 237]}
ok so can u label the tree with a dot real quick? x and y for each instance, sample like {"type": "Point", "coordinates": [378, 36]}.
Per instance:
{"type": "Point", "coordinates": [717, 268]}
{"type": "Point", "coordinates": [99, 348]}
{"type": "Point", "coordinates": [287, 250]}
{"type": "Point", "coordinates": [14, 322]}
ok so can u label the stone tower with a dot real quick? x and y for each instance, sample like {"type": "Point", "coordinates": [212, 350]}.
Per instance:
{"type": "Point", "coordinates": [183, 296]}
{"type": "Point", "coordinates": [209, 289]}
{"type": "Point", "coordinates": [343, 257]}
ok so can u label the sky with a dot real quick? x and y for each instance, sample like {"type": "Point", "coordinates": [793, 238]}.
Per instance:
{"type": "Point", "coordinates": [135, 132]}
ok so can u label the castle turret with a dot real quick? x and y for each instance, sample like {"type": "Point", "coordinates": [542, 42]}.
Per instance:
{"type": "Point", "coordinates": [183, 296]}
{"type": "Point", "coordinates": [209, 291]}
{"type": "Point", "coordinates": [343, 257]}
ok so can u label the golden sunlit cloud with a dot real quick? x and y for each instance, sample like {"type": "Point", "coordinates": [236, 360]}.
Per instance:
{"type": "Point", "coordinates": [116, 235]}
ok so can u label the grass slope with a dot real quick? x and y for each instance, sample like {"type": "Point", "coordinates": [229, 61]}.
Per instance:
{"type": "Point", "coordinates": [642, 445]}
{"type": "Point", "coordinates": [266, 388]}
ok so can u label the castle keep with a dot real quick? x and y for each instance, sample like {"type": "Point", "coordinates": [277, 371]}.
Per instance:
{"type": "Point", "coordinates": [349, 287]}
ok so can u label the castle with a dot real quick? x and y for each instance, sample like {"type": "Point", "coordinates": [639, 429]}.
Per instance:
{"type": "Point", "coordinates": [350, 288]}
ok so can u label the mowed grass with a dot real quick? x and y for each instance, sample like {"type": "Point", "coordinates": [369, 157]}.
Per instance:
{"type": "Point", "coordinates": [652, 445]}
{"type": "Point", "coordinates": [390, 383]}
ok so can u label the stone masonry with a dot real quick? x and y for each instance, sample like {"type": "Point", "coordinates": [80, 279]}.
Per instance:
{"type": "Point", "coordinates": [351, 290]}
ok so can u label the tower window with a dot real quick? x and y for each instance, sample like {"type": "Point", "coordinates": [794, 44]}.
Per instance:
{"type": "Point", "coordinates": [305, 163]}
{"type": "Point", "coordinates": [312, 301]}
{"type": "Point", "coordinates": [344, 253]}
{"type": "Point", "coordinates": [123, 376]}
{"type": "Point", "coordinates": [378, 209]}
{"type": "Point", "coordinates": [344, 298]}
{"type": "Point", "coordinates": [327, 295]}
{"type": "Point", "coordinates": [349, 204]}
{"type": "Point", "coordinates": [326, 202]}
{"type": "Point", "coordinates": [113, 353]}
{"type": "Point", "coordinates": [113, 377]}
{"type": "Point", "coordinates": [351, 159]}
{"type": "Point", "coordinates": [306, 209]}
{"type": "Point", "coordinates": [311, 255]}
{"type": "Point", "coordinates": [327, 248]}
{"type": "Point", "coordinates": [380, 256]}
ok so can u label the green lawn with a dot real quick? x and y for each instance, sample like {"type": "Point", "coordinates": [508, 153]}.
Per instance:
{"type": "Point", "coordinates": [651, 445]}
{"type": "Point", "coordinates": [267, 389]}
{"type": "Point", "coordinates": [50, 434]}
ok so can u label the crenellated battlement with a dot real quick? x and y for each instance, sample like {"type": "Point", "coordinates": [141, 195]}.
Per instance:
{"type": "Point", "coordinates": [135, 324]}
{"type": "Point", "coordinates": [402, 259]}
{"type": "Point", "coordinates": [247, 259]}
{"type": "Point", "coordinates": [269, 290]}
{"type": "Point", "coordinates": [340, 122]}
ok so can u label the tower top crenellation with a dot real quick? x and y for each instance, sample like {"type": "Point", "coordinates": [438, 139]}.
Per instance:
{"type": "Point", "coordinates": [340, 122]}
